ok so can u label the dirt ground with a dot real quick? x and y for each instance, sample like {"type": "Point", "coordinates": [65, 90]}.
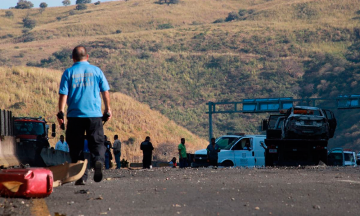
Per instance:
{"type": "Point", "coordinates": [205, 191]}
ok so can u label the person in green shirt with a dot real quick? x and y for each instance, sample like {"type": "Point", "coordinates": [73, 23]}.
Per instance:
{"type": "Point", "coordinates": [182, 154]}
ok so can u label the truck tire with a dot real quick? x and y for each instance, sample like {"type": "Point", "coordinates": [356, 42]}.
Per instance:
{"type": "Point", "coordinates": [268, 159]}
{"type": "Point", "coordinates": [227, 163]}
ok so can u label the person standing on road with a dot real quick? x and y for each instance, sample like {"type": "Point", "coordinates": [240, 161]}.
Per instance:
{"type": "Point", "coordinates": [212, 153]}
{"type": "Point", "coordinates": [108, 155]}
{"type": "Point", "coordinates": [62, 144]}
{"type": "Point", "coordinates": [117, 151]}
{"type": "Point", "coordinates": [80, 88]}
{"type": "Point", "coordinates": [182, 154]}
{"type": "Point", "coordinates": [147, 149]}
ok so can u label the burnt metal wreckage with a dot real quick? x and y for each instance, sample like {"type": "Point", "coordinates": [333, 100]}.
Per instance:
{"type": "Point", "coordinates": [299, 133]}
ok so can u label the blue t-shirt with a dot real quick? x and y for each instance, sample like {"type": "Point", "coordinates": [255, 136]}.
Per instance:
{"type": "Point", "coordinates": [82, 83]}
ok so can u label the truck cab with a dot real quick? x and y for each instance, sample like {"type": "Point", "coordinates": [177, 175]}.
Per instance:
{"type": "Point", "coordinates": [234, 151]}
{"type": "Point", "coordinates": [239, 155]}
{"type": "Point", "coordinates": [200, 156]}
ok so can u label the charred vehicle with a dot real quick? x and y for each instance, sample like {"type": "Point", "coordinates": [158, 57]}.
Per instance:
{"type": "Point", "coordinates": [298, 136]}
{"type": "Point", "coordinates": [308, 122]}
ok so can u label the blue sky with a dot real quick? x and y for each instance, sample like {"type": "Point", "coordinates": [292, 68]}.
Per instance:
{"type": "Point", "coordinates": [5, 4]}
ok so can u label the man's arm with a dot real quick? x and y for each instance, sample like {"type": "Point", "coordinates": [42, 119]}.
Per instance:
{"type": "Point", "coordinates": [106, 99]}
{"type": "Point", "coordinates": [61, 106]}
{"type": "Point", "coordinates": [180, 154]}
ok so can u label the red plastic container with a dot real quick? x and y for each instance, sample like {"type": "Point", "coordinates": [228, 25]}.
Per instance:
{"type": "Point", "coordinates": [29, 183]}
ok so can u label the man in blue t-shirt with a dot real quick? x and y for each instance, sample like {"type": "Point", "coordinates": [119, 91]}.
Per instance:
{"type": "Point", "coordinates": [80, 89]}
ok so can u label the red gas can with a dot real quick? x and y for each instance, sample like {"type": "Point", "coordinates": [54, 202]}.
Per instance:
{"type": "Point", "coordinates": [31, 182]}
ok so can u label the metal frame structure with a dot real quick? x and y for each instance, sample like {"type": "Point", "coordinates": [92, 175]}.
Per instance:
{"type": "Point", "coordinates": [265, 105]}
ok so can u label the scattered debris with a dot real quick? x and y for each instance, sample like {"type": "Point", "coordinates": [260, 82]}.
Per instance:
{"type": "Point", "coordinates": [82, 192]}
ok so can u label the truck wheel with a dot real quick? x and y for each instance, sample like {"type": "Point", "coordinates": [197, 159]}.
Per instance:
{"type": "Point", "coordinates": [227, 163]}
{"type": "Point", "coordinates": [268, 160]}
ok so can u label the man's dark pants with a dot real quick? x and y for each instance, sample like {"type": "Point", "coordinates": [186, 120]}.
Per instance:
{"type": "Point", "coordinates": [183, 162]}
{"type": "Point", "coordinates": [147, 160]}
{"type": "Point", "coordinates": [75, 134]}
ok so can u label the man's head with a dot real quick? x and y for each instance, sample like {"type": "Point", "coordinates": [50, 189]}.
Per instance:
{"type": "Point", "coordinates": [147, 139]}
{"type": "Point", "coordinates": [116, 137]}
{"type": "Point", "coordinates": [105, 137]}
{"type": "Point", "coordinates": [62, 138]}
{"type": "Point", "coordinates": [213, 140]}
{"type": "Point", "coordinates": [79, 54]}
{"type": "Point", "coordinates": [247, 144]}
{"type": "Point", "coordinates": [183, 140]}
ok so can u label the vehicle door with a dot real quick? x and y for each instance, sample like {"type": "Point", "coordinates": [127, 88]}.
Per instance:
{"type": "Point", "coordinates": [243, 157]}
{"type": "Point", "coordinates": [332, 122]}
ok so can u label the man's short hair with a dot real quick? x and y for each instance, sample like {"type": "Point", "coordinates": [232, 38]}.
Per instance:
{"type": "Point", "coordinates": [213, 138]}
{"type": "Point", "coordinates": [147, 138]}
{"type": "Point", "coordinates": [116, 136]}
{"type": "Point", "coordinates": [182, 139]}
{"type": "Point", "coordinates": [79, 53]}
{"type": "Point", "coordinates": [61, 136]}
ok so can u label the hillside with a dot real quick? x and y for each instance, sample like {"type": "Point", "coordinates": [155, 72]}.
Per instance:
{"type": "Point", "coordinates": [175, 58]}
{"type": "Point", "coordinates": [32, 92]}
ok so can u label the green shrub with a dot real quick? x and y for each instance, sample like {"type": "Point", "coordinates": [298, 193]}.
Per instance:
{"type": "Point", "coordinates": [43, 5]}
{"type": "Point", "coordinates": [132, 140]}
{"type": "Point", "coordinates": [23, 4]}
{"type": "Point", "coordinates": [97, 3]}
{"type": "Point", "coordinates": [72, 12]}
{"type": "Point", "coordinates": [165, 26]}
{"type": "Point", "coordinates": [9, 14]}
{"type": "Point", "coordinates": [242, 12]}
{"type": "Point", "coordinates": [124, 163]}
{"type": "Point", "coordinates": [83, 2]}
{"type": "Point", "coordinates": [221, 20]}
{"type": "Point", "coordinates": [232, 16]}
{"type": "Point", "coordinates": [81, 7]}
{"type": "Point", "coordinates": [58, 18]}
{"type": "Point", "coordinates": [66, 2]}
{"type": "Point", "coordinates": [29, 23]}
{"type": "Point", "coordinates": [118, 31]}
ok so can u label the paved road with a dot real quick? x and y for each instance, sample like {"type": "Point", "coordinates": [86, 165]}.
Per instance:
{"type": "Point", "coordinates": [204, 191]}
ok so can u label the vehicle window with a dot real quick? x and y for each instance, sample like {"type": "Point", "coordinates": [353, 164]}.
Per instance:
{"type": "Point", "coordinates": [336, 156]}
{"type": "Point", "coordinates": [33, 128]}
{"type": "Point", "coordinates": [280, 122]}
{"type": "Point", "coordinates": [349, 157]}
{"type": "Point", "coordinates": [272, 121]}
{"type": "Point", "coordinates": [307, 112]}
{"type": "Point", "coordinates": [240, 145]}
{"type": "Point", "coordinates": [223, 142]}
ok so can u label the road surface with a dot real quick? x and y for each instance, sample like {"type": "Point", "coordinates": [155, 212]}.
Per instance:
{"type": "Point", "coordinates": [204, 191]}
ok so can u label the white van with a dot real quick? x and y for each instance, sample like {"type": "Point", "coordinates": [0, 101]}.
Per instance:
{"type": "Point", "coordinates": [234, 153]}
{"type": "Point", "coordinates": [341, 157]}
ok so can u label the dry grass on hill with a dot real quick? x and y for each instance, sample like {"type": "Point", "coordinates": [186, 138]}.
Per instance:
{"type": "Point", "coordinates": [57, 29]}
{"type": "Point", "coordinates": [33, 92]}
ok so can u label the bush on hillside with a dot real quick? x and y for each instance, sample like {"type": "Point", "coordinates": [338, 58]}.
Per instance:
{"type": "Point", "coordinates": [97, 3]}
{"type": "Point", "coordinates": [43, 5]}
{"type": "Point", "coordinates": [168, 2]}
{"type": "Point", "coordinates": [66, 2]}
{"type": "Point", "coordinates": [81, 7]}
{"type": "Point", "coordinates": [9, 14]}
{"type": "Point", "coordinates": [83, 1]}
{"type": "Point", "coordinates": [29, 23]}
{"type": "Point", "coordinates": [221, 20]}
{"type": "Point", "coordinates": [72, 12]}
{"type": "Point", "coordinates": [23, 4]}
{"type": "Point", "coordinates": [63, 55]}
{"type": "Point", "coordinates": [232, 16]}
{"type": "Point", "coordinates": [118, 31]}
{"type": "Point", "coordinates": [165, 26]}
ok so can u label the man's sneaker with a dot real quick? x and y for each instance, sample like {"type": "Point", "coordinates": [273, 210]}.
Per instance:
{"type": "Point", "coordinates": [98, 171]}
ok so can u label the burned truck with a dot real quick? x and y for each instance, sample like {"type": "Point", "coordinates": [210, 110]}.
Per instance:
{"type": "Point", "coordinates": [298, 136]}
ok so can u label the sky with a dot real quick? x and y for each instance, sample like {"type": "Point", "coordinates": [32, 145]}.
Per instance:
{"type": "Point", "coordinates": [5, 4]}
